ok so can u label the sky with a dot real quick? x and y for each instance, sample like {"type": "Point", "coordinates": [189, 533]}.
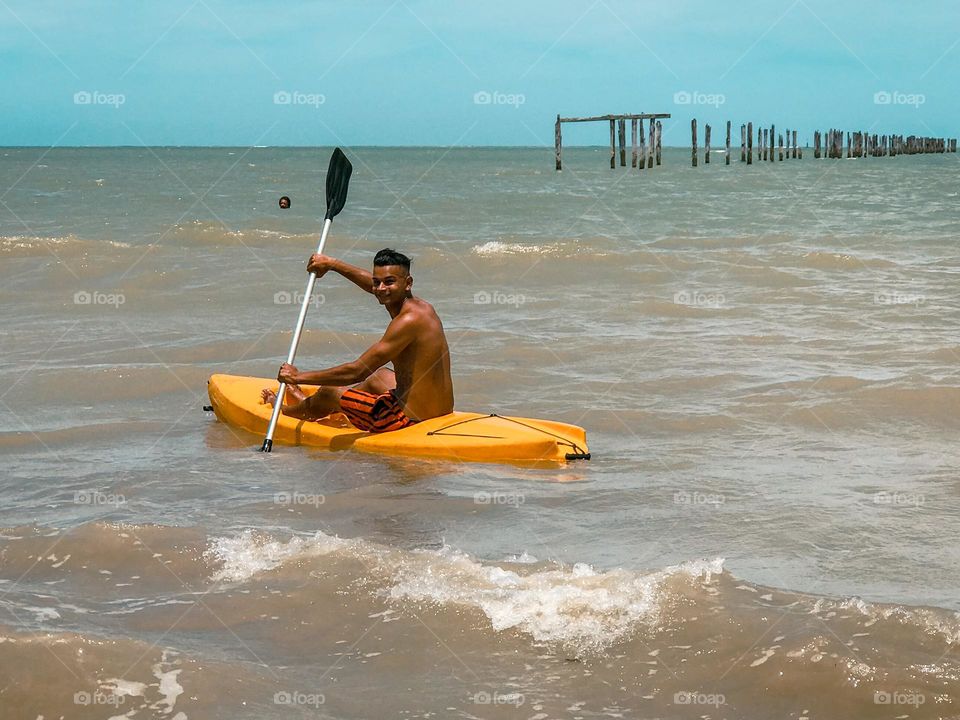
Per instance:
{"type": "Point", "coordinates": [431, 72]}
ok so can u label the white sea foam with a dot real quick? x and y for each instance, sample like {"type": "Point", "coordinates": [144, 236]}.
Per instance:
{"type": "Point", "coordinates": [32, 242]}
{"type": "Point", "coordinates": [248, 554]}
{"type": "Point", "coordinates": [931, 621]}
{"type": "Point", "coordinates": [577, 606]}
{"type": "Point", "coordinates": [496, 247]}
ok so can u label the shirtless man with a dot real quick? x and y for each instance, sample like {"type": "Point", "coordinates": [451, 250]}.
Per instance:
{"type": "Point", "coordinates": [381, 400]}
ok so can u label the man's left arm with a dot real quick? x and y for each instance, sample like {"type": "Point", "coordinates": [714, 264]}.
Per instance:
{"type": "Point", "coordinates": [399, 334]}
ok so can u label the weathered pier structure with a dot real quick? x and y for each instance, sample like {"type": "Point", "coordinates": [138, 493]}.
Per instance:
{"type": "Point", "coordinates": [649, 151]}
{"type": "Point", "coordinates": [772, 146]}
{"type": "Point", "coordinates": [861, 144]}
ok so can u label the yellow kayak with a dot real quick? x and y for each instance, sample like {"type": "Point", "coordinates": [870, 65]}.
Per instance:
{"type": "Point", "coordinates": [458, 436]}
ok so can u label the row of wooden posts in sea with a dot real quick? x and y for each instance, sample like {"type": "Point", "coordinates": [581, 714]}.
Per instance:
{"type": "Point", "coordinates": [863, 144]}
{"type": "Point", "coordinates": [646, 155]}
{"type": "Point", "coordinates": [827, 145]}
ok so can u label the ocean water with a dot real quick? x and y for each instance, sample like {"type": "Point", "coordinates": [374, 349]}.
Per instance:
{"type": "Point", "coordinates": [765, 360]}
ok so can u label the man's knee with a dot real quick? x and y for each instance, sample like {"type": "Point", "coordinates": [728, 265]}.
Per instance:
{"type": "Point", "coordinates": [325, 401]}
{"type": "Point", "coordinates": [380, 382]}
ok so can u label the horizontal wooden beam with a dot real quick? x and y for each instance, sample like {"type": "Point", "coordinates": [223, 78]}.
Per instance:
{"type": "Point", "coordinates": [639, 116]}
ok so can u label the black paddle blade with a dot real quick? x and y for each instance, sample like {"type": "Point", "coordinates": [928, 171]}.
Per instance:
{"type": "Point", "coordinates": [338, 179]}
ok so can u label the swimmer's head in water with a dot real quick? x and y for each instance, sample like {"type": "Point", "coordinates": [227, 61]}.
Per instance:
{"type": "Point", "coordinates": [284, 202]}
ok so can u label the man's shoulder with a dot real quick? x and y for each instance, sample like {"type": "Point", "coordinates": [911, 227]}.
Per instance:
{"type": "Point", "coordinates": [419, 309]}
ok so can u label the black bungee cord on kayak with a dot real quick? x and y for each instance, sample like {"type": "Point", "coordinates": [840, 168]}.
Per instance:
{"type": "Point", "coordinates": [577, 454]}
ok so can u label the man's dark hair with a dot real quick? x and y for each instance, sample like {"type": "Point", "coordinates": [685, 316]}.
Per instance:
{"type": "Point", "coordinates": [388, 257]}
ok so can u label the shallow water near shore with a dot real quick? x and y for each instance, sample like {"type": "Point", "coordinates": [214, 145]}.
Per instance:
{"type": "Point", "coordinates": [764, 358]}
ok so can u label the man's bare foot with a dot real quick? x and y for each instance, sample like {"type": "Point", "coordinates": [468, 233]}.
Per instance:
{"type": "Point", "coordinates": [292, 396]}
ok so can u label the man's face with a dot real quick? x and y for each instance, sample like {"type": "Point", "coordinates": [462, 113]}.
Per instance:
{"type": "Point", "coordinates": [390, 283]}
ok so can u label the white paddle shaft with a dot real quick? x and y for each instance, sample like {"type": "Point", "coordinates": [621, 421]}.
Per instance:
{"type": "Point", "coordinates": [296, 336]}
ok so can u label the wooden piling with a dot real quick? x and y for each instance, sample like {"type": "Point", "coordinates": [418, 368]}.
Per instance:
{"type": "Point", "coordinates": [633, 143]}
{"type": "Point", "coordinates": [622, 137]}
{"type": "Point", "coordinates": [643, 148]}
{"type": "Point", "coordinates": [816, 144]}
{"type": "Point", "coordinates": [659, 129]}
{"type": "Point", "coordinates": [693, 150]}
{"type": "Point", "coordinates": [749, 143]}
{"type": "Point", "coordinates": [763, 143]}
{"type": "Point", "coordinates": [706, 145]}
{"type": "Point", "coordinates": [743, 143]}
{"type": "Point", "coordinates": [771, 142]}
{"type": "Point", "coordinates": [557, 142]}
{"type": "Point", "coordinates": [727, 161]}
{"type": "Point", "coordinates": [794, 144]}
{"type": "Point", "coordinates": [780, 146]}
{"type": "Point", "coordinates": [653, 131]}
{"type": "Point", "coordinates": [693, 133]}
{"type": "Point", "coordinates": [613, 144]}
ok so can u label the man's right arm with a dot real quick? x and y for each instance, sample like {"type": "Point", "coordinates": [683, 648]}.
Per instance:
{"type": "Point", "coordinates": [320, 264]}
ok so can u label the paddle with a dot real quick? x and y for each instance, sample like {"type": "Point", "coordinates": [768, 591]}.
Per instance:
{"type": "Point", "coordinates": [338, 179]}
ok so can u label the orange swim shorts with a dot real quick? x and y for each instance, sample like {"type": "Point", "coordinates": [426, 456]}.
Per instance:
{"type": "Point", "coordinates": [373, 413]}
